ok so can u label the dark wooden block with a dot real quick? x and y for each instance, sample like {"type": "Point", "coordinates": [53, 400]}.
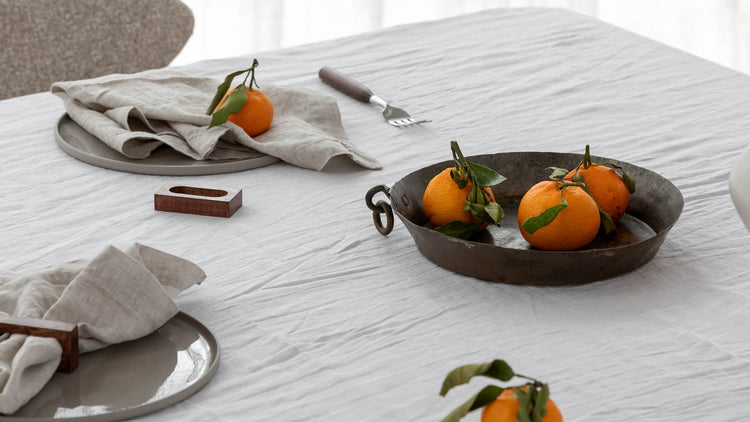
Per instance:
{"type": "Point", "coordinates": [215, 202]}
{"type": "Point", "coordinates": [65, 333]}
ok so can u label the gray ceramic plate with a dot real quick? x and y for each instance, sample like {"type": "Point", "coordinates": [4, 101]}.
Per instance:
{"type": "Point", "coordinates": [75, 141]}
{"type": "Point", "coordinates": [501, 253]}
{"type": "Point", "coordinates": [130, 379]}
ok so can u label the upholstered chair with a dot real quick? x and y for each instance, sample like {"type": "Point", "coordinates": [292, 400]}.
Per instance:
{"type": "Point", "coordinates": [44, 41]}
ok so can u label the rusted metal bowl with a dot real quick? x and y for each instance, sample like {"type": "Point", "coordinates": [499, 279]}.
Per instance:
{"type": "Point", "coordinates": [501, 254]}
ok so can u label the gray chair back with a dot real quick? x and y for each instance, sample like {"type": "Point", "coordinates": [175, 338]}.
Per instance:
{"type": "Point", "coordinates": [44, 41]}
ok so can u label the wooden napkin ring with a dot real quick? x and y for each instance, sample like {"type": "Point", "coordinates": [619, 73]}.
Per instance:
{"type": "Point", "coordinates": [64, 332]}
{"type": "Point", "coordinates": [198, 200]}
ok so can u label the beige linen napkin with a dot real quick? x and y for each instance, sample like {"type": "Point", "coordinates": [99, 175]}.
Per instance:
{"type": "Point", "coordinates": [115, 297]}
{"type": "Point", "coordinates": [136, 113]}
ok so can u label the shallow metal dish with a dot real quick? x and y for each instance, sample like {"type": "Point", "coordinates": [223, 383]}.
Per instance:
{"type": "Point", "coordinates": [501, 254]}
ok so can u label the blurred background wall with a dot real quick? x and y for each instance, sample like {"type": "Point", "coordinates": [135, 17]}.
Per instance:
{"type": "Point", "coordinates": [718, 30]}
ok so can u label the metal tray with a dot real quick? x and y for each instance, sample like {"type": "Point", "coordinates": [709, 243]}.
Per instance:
{"type": "Point", "coordinates": [129, 379]}
{"type": "Point", "coordinates": [165, 161]}
{"type": "Point", "coordinates": [501, 254]}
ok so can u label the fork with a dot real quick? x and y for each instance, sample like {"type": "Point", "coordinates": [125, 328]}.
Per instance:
{"type": "Point", "coordinates": [354, 89]}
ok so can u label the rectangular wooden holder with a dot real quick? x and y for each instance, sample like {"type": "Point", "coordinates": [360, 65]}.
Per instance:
{"type": "Point", "coordinates": [65, 333]}
{"type": "Point", "coordinates": [215, 202]}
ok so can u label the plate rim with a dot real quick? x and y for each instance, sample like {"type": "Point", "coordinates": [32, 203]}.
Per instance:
{"type": "Point", "coordinates": [156, 405]}
{"type": "Point", "coordinates": [128, 165]}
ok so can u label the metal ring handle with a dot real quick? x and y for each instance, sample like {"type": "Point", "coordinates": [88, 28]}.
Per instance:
{"type": "Point", "coordinates": [386, 209]}
{"type": "Point", "coordinates": [381, 207]}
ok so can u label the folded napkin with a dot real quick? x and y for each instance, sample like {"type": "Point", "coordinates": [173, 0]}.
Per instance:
{"type": "Point", "coordinates": [115, 297]}
{"type": "Point", "coordinates": [136, 113]}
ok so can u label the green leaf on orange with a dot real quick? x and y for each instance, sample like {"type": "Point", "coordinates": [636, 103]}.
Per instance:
{"type": "Point", "coordinates": [476, 196]}
{"type": "Point", "coordinates": [606, 219]}
{"type": "Point", "coordinates": [626, 178]}
{"type": "Point", "coordinates": [222, 89]}
{"type": "Point", "coordinates": [494, 211]}
{"type": "Point", "coordinates": [234, 102]}
{"type": "Point", "coordinates": [629, 182]}
{"type": "Point", "coordinates": [477, 199]}
{"type": "Point", "coordinates": [557, 173]}
{"type": "Point", "coordinates": [461, 180]}
{"type": "Point", "coordinates": [607, 222]}
{"type": "Point", "coordinates": [476, 210]}
{"type": "Point", "coordinates": [532, 399]}
{"type": "Point", "coordinates": [525, 402]}
{"type": "Point", "coordinates": [496, 369]}
{"type": "Point", "coordinates": [540, 404]}
{"type": "Point", "coordinates": [484, 397]}
{"type": "Point", "coordinates": [485, 176]}
{"type": "Point", "coordinates": [459, 229]}
{"type": "Point", "coordinates": [578, 178]}
{"type": "Point", "coordinates": [532, 224]}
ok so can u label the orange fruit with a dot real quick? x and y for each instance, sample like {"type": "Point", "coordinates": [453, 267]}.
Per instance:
{"type": "Point", "coordinates": [574, 227]}
{"type": "Point", "coordinates": [443, 201]}
{"type": "Point", "coordinates": [607, 188]}
{"type": "Point", "coordinates": [256, 114]}
{"type": "Point", "coordinates": [505, 409]}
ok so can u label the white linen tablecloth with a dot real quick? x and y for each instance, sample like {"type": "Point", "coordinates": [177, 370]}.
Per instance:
{"type": "Point", "coordinates": [321, 318]}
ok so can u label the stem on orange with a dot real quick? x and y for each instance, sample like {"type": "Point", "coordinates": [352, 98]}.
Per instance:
{"type": "Point", "coordinates": [479, 202]}
{"type": "Point", "coordinates": [251, 75]}
{"type": "Point", "coordinates": [586, 158]}
{"type": "Point", "coordinates": [223, 88]}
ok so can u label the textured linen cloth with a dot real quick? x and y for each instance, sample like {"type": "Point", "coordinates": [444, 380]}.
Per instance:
{"type": "Point", "coordinates": [321, 318]}
{"type": "Point", "coordinates": [137, 113]}
{"type": "Point", "coordinates": [116, 296]}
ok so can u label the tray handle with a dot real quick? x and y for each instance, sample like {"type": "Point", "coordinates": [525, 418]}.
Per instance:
{"type": "Point", "coordinates": [64, 332]}
{"type": "Point", "coordinates": [380, 207]}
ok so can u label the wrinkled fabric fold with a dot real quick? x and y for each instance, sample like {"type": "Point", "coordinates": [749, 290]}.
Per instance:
{"type": "Point", "coordinates": [135, 114]}
{"type": "Point", "coordinates": [115, 297]}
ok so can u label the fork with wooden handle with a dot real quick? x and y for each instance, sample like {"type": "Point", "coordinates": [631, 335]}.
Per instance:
{"type": "Point", "coordinates": [354, 89]}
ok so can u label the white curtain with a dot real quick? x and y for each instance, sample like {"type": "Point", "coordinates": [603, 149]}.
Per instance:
{"type": "Point", "coordinates": [718, 30]}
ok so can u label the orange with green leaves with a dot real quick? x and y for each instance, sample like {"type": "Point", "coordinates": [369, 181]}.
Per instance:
{"type": "Point", "coordinates": [610, 190]}
{"type": "Point", "coordinates": [566, 217]}
{"type": "Point", "coordinates": [458, 201]}
{"type": "Point", "coordinates": [528, 402]}
{"type": "Point", "coordinates": [566, 212]}
{"type": "Point", "coordinates": [242, 105]}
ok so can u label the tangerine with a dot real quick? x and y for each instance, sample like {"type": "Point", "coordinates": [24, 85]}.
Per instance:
{"type": "Point", "coordinates": [443, 201]}
{"type": "Point", "coordinates": [607, 188]}
{"type": "Point", "coordinates": [505, 409]}
{"type": "Point", "coordinates": [574, 227]}
{"type": "Point", "coordinates": [256, 114]}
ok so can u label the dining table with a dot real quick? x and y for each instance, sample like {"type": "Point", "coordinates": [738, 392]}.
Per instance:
{"type": "Point", "coordinates": [320, 317]}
